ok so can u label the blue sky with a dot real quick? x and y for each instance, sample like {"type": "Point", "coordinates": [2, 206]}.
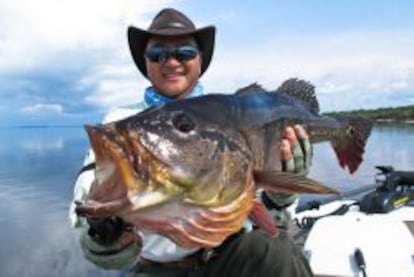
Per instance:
{"type": "Point", "coordinates": [67, 62]}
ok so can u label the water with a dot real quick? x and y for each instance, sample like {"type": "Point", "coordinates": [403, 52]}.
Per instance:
{"type": "Point", "coordinates": [38, 167]}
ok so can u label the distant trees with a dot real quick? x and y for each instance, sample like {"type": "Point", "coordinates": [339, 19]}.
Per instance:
{"type": "Point", "coordinates": [395, 114]}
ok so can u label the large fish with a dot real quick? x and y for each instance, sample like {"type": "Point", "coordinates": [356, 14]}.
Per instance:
{"type": "Point", "coordinates": [189, 169]}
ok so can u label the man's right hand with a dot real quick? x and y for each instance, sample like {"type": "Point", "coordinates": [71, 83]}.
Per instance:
{"type": "Point", "coordinates": [106, 230]}
{"type": "Point", "coordinates": [110, 243]}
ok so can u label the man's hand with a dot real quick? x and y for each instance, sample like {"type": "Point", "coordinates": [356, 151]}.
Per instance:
{"type": "Point", "coordinates": [106, 230]}
{"type": "Point", "coordinates": [110, 243]}
{"type": "Point", "coordinates": [296, 150]}
{"type": "Point", "coordinates": [296, 155]}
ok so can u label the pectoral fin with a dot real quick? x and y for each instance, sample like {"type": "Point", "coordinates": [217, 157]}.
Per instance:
{"type": "Point", "coordinates": [289, 183]}
{"type": "Point", "coordinates": [259, 216]}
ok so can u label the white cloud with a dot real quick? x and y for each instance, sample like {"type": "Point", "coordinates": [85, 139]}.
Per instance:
{"type": "Point", "coordinates": [345, 64]}
{"type": "Point", "coordinates": [42, 109]}
{"type": "Point", "coordinates": [320, 57]}
{"type": "Point", "coordinates": [32, 31]}
{"type": "Point", "coordinates": [83, 35]}
{"type": "Point", "coordinates": [115, 85]}
{"type": "Point", "coordinates": [340, 65]}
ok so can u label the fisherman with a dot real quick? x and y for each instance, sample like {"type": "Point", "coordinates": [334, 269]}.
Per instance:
{"type": "Point", "coordinates": [173, 54]}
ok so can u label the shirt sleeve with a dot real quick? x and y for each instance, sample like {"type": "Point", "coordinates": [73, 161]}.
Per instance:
{"type": "Point", "coordinates": [82, 186]}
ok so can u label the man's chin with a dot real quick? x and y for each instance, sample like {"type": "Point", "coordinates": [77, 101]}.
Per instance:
{"type": "Point", "coordinates": [174, 90]}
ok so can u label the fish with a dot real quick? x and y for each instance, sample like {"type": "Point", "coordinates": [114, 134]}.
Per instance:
{"type": "Point", "coordinates": [190, 169]}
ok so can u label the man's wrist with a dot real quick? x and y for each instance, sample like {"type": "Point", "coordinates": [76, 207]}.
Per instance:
{"type": "Point", "coordinates": [117, 255]}
{"type": "Point", "coordinates": [277, 201]}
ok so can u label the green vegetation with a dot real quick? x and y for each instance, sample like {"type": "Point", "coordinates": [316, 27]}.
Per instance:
{"type": "Point", "coordinates": [405, 113]}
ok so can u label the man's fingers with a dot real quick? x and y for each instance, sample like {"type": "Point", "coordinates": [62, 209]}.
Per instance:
{"type": "Point", "coordinates": [300, 132]}
{"type": "Point", "coordinates": [296, 150]}
{"type": "Point", "coordinates": [285, 150]}
{"type": "Point", "coordinates": [290, 135]}
{"type": "Point", "coordinates": [305, 145]}
{"type": "Point", "coordinates": [293, 135]}
{"type": "Point", "coordinates": [288, 164]}
{"type": "Point", "coordinates": [298, 157]}
{"type": "Point", "coordinates": [306, 148]}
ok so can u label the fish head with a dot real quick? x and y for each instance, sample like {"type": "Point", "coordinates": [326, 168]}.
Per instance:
{"type": "Point", "coordinates": [169, 153]}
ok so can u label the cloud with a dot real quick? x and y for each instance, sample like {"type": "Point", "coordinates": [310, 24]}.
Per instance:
{"type": "Point", "coordinates": [75, 54]}
{"type": "Point", "coordinates": [369, 69]}
{"type": "Point", "coordinates": [42, 109]}
{"type": "Point", "coordinates": [342, 64]}
{"type": "Point", "coordinates": [33, 31]}
{"type": "Point", "coordinates": [49, 48]}
{"type": "Point", "coordinates": [113, 85]}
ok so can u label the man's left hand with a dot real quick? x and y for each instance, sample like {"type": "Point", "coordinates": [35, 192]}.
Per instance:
{"type": "Point", "coordinates": [296, 150]}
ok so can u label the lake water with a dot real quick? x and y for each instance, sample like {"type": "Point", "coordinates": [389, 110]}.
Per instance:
{"type": "Point", "coordinates": [38, 167]}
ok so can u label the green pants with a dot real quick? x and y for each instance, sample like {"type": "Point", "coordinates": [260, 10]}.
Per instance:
{"type": "Point", "coordinates": [250, 254]}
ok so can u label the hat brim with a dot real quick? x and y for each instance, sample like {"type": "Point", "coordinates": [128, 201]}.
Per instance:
{"type": "Point", "coordinates": [138, 38]}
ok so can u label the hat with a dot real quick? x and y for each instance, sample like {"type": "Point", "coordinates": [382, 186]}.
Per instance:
{"type": "Point", "coordinates": [170, 22]}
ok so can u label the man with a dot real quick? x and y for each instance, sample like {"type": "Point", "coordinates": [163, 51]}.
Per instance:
{"type": "Point", "coordinates": [172, 54]}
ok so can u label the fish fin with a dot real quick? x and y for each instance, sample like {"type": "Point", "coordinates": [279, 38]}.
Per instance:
{"type": "Point", "coordinates": [290, 183]}
{"type": "Point", "coordinates": [301, 90]}
{"type": "Point", "coordinates": [259, 216]}
{"type": "Point", "coordinates": [350, 146]}
{"type": "Point", "coordinates": [250, 89]}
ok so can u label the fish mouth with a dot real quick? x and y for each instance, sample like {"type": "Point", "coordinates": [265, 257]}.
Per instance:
{"type": "Point", "coordinates": [146, 180]}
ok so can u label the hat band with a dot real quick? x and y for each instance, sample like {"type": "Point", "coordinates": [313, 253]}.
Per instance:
{"type": "Point", "coordinates": [174, 25]}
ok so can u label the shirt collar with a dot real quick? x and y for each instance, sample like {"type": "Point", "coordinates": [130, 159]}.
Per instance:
{"type": "Point", "coordinates": [154, 98]}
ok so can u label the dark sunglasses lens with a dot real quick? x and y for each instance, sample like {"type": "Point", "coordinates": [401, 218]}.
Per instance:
{"type": "Point", "coordinates": [186, 53]}
{"type": "Point", "coordinates": [182, 53]}
{"type": "Point", "coordinates": [155, 54]}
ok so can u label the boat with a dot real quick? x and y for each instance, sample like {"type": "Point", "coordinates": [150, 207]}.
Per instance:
{"type": "Point", "coordinates": [361, 234]}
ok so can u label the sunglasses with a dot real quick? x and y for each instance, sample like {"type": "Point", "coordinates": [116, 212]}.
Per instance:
{"type": "Point", "coordinates": [159, 54]}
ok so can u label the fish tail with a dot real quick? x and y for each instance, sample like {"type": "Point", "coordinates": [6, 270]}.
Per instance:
{"type": "Point", "coordinates": [349, 146]}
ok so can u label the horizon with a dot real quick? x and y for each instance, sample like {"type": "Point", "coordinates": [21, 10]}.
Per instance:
{"type": "Point", "coordinates": [81, 125]}
{"type": "Point", "coordinates": [68, 62]}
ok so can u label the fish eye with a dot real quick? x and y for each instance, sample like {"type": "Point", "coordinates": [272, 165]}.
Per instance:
{"type": "Point", "coordinates": [183, 122]}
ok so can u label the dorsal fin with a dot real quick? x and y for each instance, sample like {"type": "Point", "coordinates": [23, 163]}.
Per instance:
{"type": "Point", "coordinates": [250, 89]}
{"type": "Point", "coordinates": [302, 90]}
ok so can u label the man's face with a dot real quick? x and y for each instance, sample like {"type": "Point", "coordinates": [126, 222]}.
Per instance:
{"type": "Point", "coordinates": [173, 76]}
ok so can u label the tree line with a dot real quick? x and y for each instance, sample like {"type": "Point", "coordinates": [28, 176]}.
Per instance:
{"type": "Point", "coordinates": [403, 113]}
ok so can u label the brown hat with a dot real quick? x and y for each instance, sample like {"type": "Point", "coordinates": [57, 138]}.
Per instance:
{"type": "Point", "coordinates": [170, 22]}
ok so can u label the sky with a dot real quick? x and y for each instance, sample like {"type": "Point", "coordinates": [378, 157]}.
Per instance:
{"type": "Point", "coordinates": [67, 62]}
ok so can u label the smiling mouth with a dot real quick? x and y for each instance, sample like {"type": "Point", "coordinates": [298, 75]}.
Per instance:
{"type": "Point", "coordinates": [173, 74]}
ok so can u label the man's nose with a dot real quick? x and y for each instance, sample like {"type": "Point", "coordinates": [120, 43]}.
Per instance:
{"type": "Point", "coordinates": [172, 61]}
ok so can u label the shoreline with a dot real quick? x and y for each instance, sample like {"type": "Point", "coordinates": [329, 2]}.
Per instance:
{"type": "Point", "coordinates": [383, 120]}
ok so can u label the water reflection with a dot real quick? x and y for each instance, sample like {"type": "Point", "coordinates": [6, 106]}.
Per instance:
{"type": "Point", "coordinates": [42, 146]}
{"type": "Point", "coordinates": [38, 240]}
{"type": "Point", "coordinates": [38, 168]}
{"type": "Point", "coordinates": [37, 171]}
